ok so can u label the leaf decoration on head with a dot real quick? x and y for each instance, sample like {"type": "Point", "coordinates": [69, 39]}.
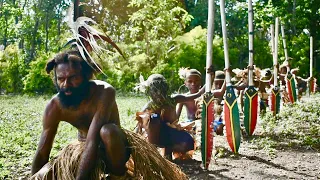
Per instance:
{"type": "Point", "coordinates": [265, 75]}
{"type": "Point", "coordinates": [183, 73]}
{"type": "Point", "coordinates": [257, 72]}
{"type": "Point", "coordinates": [86, 38]}
{"type": "Point", "coordinates": [294, 70]}
{"type": "Point", "coordinates": [142, 85]}
{"type": "Point", "coordinates": [237, 71]}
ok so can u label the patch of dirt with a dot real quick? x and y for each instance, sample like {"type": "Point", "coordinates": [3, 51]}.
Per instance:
{"type": "Point", "coordinates": [285, 162]}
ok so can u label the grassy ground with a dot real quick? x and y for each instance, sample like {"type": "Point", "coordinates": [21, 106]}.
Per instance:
{"type": "Point", "coordinates": [297, 126]}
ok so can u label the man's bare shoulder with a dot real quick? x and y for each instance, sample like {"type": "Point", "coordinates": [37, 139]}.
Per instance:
{"type": "Point", "coordinates": [53, 106]}
{"type": "Point", "coordinates": [102, 84]}
{"type": "Point", "coordinates": [103, 89]}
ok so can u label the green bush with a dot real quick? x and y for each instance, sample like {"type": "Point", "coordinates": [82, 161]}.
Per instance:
{"type": "Point", "coordinates": [12, 70]}
{"type": "Point", "coordinates": [37, 81]}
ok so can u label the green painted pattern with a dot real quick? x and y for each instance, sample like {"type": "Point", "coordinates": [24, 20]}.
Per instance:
{"type": "Point", "coordinates": [231, 101]}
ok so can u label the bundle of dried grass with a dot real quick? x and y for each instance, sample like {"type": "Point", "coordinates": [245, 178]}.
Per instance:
{"type": "Point", "coordinates": [145, 163]}
{"type": "Point", "coordinates": [148, 163]}
{"type": "Point", "coordinates": [65, 165]}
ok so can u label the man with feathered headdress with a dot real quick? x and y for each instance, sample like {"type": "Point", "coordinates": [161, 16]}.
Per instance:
{"type": "Point", "coordinates": [103, 147]}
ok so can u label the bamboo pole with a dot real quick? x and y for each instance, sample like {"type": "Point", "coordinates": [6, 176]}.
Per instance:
{"type": "Point", "coordinates": [275, 63]}
{"type": "Point", "coordinates": [311, 55]}
{"type": "Point", "coordinates": [250, 22]}
{"type": "Point", "coordinates": [225, 43]}
{"type": "Point", "coordinates": [209, 43]}
{"type": "Point", "coordinates": [284, 42]}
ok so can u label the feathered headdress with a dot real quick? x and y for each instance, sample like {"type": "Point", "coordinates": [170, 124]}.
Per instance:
{"type": "Point", "coordinates": [183, 73]}
{"type": "Point", "coordinates": [186, 72]}
{"type": "Point", "coordinates": [142, 85]}
{"type": "Point", "coordinates": [85, 37]}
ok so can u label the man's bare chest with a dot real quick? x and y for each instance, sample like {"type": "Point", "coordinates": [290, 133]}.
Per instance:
{"type": "Point", "coordinates": [191, 106]}
{"type": "Point", "coordinates": [80, 118]}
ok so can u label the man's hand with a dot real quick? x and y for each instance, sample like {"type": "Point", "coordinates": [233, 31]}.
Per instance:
{"type": "Point", "coordinates": [50, 126]}
{"type": "Point", "coordinates": [211, 70]}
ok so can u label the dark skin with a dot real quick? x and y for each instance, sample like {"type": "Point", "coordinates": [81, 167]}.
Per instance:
{"type": "Point", "coordinates": [218, 91]}
{"type": "Point", "coordinates": [193, 83]}
{"type": "Point", "coordinates": [169, 116]}
{"type": "Point", "coordinates": [97, 121]}
{"type": "Point", "coordinates": [170, 113]}
{"type": "Point", "coordinates": [301, 83]}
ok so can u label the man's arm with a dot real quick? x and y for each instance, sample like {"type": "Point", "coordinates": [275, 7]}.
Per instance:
{"type": "Point", "coordinates": [180, 98]}
{"type": "Point", "coordinates": [50, 125]}
{"type": "Point", "coordinates": [220, 92]}
{"type": "Point", "coordinates": [179, 109]}
{"type": "Point", "coordinates": [101, 117]}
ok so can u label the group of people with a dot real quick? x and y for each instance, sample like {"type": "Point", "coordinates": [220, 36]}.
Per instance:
{"type": "Point", "coordinates": [163, 104]}
{"type": "Point", "coordinates": [103, 147]}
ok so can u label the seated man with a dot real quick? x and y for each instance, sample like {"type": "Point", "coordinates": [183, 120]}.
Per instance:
{"type": "Point", "coordinates": [161, 109]}
{"type": "Point", "coordinates": [90, 106]}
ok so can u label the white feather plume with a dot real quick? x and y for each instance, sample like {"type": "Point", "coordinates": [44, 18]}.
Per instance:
{"type": "Point", "coordinates": [142, 85]}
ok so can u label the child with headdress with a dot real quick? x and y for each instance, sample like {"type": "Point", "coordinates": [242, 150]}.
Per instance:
{"type": "Point", "coordinates": [192, 80]}
{"type": "Point", "coordinates": [159, 118]}
{"type": "Point", "coordinates": [218, 86]}
{"type": "Point", "coordinates": [283, 70]}
{"type": "Point", "coordinates": [264, 84]}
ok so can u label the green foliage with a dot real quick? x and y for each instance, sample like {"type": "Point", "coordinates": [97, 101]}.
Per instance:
{"type": "Point", "coordinates": [190, 51]}
{"type": "Point", "coordinates": [147, 30]}
{"type": "Point", "coordinates": [153, 26]}
{"type": "Point", "coordinates": [12, 70]}
{"type": "Point", "coordinates": [37, 81]}
{"type": "Point", "coordinates": [296, 125]}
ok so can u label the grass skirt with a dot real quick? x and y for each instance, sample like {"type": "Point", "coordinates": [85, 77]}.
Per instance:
{"type": "Point", "coordinates": [145, 163]}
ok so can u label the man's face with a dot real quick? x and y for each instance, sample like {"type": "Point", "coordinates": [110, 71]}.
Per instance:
{"type": "Point", "coordinates": [193, 83]}
{"type": "Point", "coordinates": [283, 70]}
{"type": "Point", "coordinates": [71, 85]}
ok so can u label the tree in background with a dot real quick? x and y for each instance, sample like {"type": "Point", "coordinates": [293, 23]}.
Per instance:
{"type": "Point", "coordinates": [153, 34]}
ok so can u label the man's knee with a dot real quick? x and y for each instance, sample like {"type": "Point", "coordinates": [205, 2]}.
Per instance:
{"type": "Point", "coordinates": [109, 130]}
{"type": "Point", "coordinates": [44, 173]}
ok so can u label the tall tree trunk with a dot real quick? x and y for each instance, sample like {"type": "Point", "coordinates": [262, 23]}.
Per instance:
{"type": "Point", "coordinates": [76, 10]}
{"type": "Point", "coordinates": [59, 30]}
{"type": "Point", "coordinates": [314, 24]}
{"type": "Point", "coordinates": [34, 32]}
{"type": "Point", "coordinates": [34, 39]}
{"type": "Point", "coordinates": [21, 42]}
{"type": "Point", "coordinates": [294, 17]}
{"type": "Point", "coordinates": [5, 31]}
{"type": "Point", "coordinates": [47, 30]}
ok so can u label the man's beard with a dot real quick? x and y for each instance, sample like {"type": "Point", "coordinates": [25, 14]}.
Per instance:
{"type": "Point", "coordinates": [78, 95]}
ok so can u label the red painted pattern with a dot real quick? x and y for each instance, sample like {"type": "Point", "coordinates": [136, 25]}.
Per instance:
{"type": "Point", "coordinates": [273, 102]}
{"type": "Point", "coordinates": [254, 114]}
{"type": "Point", "coordinates": [209, 138]}
{"type": "Point", "coordinates": [312, 86]}
{"type": "Point", "coordinates": [227, 116]}
{"type": "Point", "coordinates": [290, 91]}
